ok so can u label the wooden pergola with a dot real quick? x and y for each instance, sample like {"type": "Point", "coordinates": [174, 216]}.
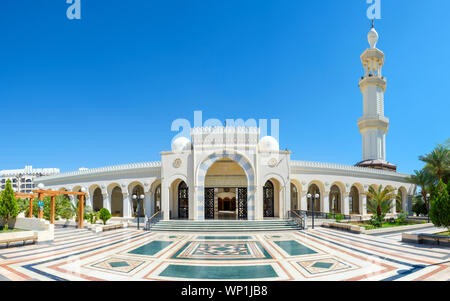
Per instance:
{"type": "Point", "coordinates": [40, 194]}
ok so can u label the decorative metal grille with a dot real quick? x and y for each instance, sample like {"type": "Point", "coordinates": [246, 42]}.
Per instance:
{"type": "Point", "coordinates": [268, 199]}
{"type": "Point", "coordinates": [209, 203]}
{"type": "Point", "coordinates": [183, 200]}
{"type": "Point", "coordinates": [242, 203]}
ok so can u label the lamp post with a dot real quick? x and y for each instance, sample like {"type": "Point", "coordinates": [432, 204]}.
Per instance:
{"type": "Point", "coordinates": [138, 208]}
{"type": "Point", "coordinates": [313, 198]}
{"type": "Point", "coordinates": [428, 203]}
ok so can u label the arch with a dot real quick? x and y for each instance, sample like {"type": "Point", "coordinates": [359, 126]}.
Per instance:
{"type": "Point", "coordinates": [183, 200]}
{"type": "Point", "coordinates": [354, 200]}
{"type": "Point", "coordinates": [116, 201]}
{"type": "Point", "coordinates": [137, 190]}
{"type": "Point", "coordinates": [269, 199]}
{"type": "Point", "coordinates": [243, 162]}
{"type": "Point", "coordinates": [97, 199]}
{"type": "Point", "coordinates": [315, 187]}
{"type": "Point", "coordinates": [295, 205]}
{"type": "Point", "coordinates": [335, 199]}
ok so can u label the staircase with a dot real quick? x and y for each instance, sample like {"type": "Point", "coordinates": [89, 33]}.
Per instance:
{"type": "Point", "coordinates": [225, 226]}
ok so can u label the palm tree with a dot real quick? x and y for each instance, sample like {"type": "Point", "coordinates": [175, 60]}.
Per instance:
{"type": "Point", "coordinates": [422, 178]}
{"type": "Point", "coordinates": [438, 161]}
{"type": "Point", "coordinates": [380, 200]}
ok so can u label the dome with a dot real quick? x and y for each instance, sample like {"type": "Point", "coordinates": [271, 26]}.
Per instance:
{"type": "Point", "coordinates": [268, 144]}
{"type": "Point", "coordinates": [181, 144]}
{"type": "Point", "coordinates": [372, 37]}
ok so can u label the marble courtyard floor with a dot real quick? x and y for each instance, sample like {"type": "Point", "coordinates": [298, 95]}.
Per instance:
{"type": "Point", "coordinates": [128, 254]}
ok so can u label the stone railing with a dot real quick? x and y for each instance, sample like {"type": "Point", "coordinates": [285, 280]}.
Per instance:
{"type": "Point", "coordinates": [102, 170]}
{"type": "Point", "coordinates": [345, 168]}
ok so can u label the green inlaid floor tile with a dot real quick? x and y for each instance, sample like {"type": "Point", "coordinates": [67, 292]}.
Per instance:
{"type": "Point", "coordinates": [322, 265]}
{"type": "Point", "coordinates": [118, 264]}
{"type": "Point", "coordinates": [294, 248]}
{"type": "Point", "coordinates": [222, 272]}
{"type": "Point", "coordinates": [151, 248]}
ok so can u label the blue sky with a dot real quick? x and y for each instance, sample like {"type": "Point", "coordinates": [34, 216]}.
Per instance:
{"type": "Point", "coordinates": [105, 89]}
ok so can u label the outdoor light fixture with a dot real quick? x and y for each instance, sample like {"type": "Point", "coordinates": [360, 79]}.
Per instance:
{"type": "Point", "coordinates": [41, 186]}
{"type": "Point", "coordinates": [138, 199]}
{"type": "Point", "coordinates": [83, 190]}
{"type": "Point", "coordinates": [428, 203]}
{"type": "Point", "coordinates": [313, 198]}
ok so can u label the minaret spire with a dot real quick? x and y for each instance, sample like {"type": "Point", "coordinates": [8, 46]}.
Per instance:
{"type": "Point", "coordinates": [373, 125]}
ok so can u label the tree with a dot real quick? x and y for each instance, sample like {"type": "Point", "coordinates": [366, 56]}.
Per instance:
{"type": "Point", "coordinates": [440, 206]}
{"type": "Point", "coordinates": [380, 202]}
{"type": "Point", "coordinates": [422, 178]}
{"type": "Point", "coordinates": [438, 161]}
{"type": "Point", "coordinates": [8, 204]}
{"type": "Point", "coordinates": [104, 215]}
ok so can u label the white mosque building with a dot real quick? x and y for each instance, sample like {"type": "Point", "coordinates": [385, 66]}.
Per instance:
{"type": "Point", "coordinates": [232, 173]}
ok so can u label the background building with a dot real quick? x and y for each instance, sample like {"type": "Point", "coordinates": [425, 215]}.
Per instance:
{"type": "Point", "coordinates": [23, 179]}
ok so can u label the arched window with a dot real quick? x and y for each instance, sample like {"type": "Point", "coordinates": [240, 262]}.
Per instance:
{"type": "Point", "coordinates": [313, 190]}
{"type": "Point", "coordinates": [335, 199]}
{"type": "Point", "coordinates": [354, 200]}
{"type": "Point", "coordinates": [268, 192]}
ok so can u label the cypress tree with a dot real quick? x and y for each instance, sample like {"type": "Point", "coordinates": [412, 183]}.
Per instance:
{"type": "Point", "coordinates": [8, 204]}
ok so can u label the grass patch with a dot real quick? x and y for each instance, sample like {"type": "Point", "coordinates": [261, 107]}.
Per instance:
{"type": "Point", "coordinates": [10, 230]}
{"type": "Point", "coordinates": [444, 233]}
{"type": "Point", "coordinates": [368, 226]}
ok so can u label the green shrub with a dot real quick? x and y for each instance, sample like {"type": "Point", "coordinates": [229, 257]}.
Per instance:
{"type": "Point", "coordinates": [330, 216]}
{"type": "Point", "coordinates": [104, 215]}
{"type": "Point", "coordinates": [92, 217]}
{"type": "Point", "coordinates": [440, 206]}
{"type": "Point", "coordinates": [401, 219]}
{"type": "Point", "coordinates": [339, 217]}
{"type": "Point", "coordinates": [377, 220]}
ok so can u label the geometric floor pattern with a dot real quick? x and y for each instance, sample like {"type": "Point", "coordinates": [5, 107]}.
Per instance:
{"type": "Point", "coordinates": [128, 254]}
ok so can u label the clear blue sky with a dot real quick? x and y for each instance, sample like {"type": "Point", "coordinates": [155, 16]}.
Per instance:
{"type": "Point", "coordinates": [105, 89]}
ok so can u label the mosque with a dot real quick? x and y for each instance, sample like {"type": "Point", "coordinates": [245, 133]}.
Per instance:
{"type": "Point", "coordinates": [232, 173]}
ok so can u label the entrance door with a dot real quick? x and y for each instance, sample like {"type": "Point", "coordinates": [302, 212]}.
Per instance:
{"type": "Point", "coordinates": [209, 203]}
{"type": "Point", "coordinates": [242, 203]}
{"type": "Point", "coordinates": [183, 200]}
{"type": "Point", "coordinates": [268, 192]}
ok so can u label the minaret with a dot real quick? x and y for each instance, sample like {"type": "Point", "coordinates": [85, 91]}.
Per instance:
{"type": "Point", "coordinates": [373, 125]}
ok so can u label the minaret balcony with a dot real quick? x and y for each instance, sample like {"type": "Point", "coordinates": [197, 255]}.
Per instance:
{"type": "Point", "coordinates": [372, 81]}
{"type": "Point", "coordinates": [378, 122]}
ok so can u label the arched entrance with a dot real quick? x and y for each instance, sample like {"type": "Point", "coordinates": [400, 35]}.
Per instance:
{"type": "Point", "coordinates": [314, 189]}
{"type": "Point", "coordinates": [225, 194]}
{"type": "Point", "coordinates": [354, 201]}
{"type": "Point", "coordinates": [335, 200]}
{"type": "Point", "coordinates": [97, 199]}
{"type": "Point", "coordinates": [268, 200]}
{"type": "Point", "coordinates": [294, 197]}
{"type": "Point", "coordinates": [117, 202]}
{"type": "Point", "coordinates": [138, 190]}
{"type": "Point", "coordinates": [183, 200]}
{"type": "Point", "coordinates": [157, 199]}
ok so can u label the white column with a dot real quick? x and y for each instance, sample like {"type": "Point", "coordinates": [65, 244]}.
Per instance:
{"type": "Point", "coordinates": [127, 207]}
{"type": "Point", "coordinates": [325, 202]}
{"type": "Point", "coordinates": [363, 203]}
{"type": "Point", "coordinates": [73, 199]}
{"type": "Point", "coordinates": [165, 199]}
{"type": "Point", "coordinates": [346, 204]}
{"type": "Point", "coordinates": [394, 203]}
{"type": "Point", "coordinates": [148, 204]}
{"type": "Point", "coordinates": [303, 200]}
{"type": "Point", "coordinates": [89, 200]}
{"type": "Point", "coordinates": [106, 202]}
{"type": "Point", "coordinates": [259, 202]}
{"type": "Point", "coordinates": [287, 200]}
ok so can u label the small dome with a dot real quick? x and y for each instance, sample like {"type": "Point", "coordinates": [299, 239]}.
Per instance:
{"type": "Point", "coordinates": [268, 144]}
{"type": "Point", "coordinates": [181, 144]}
{"type": "Point", "coordinates": [372, 37]}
